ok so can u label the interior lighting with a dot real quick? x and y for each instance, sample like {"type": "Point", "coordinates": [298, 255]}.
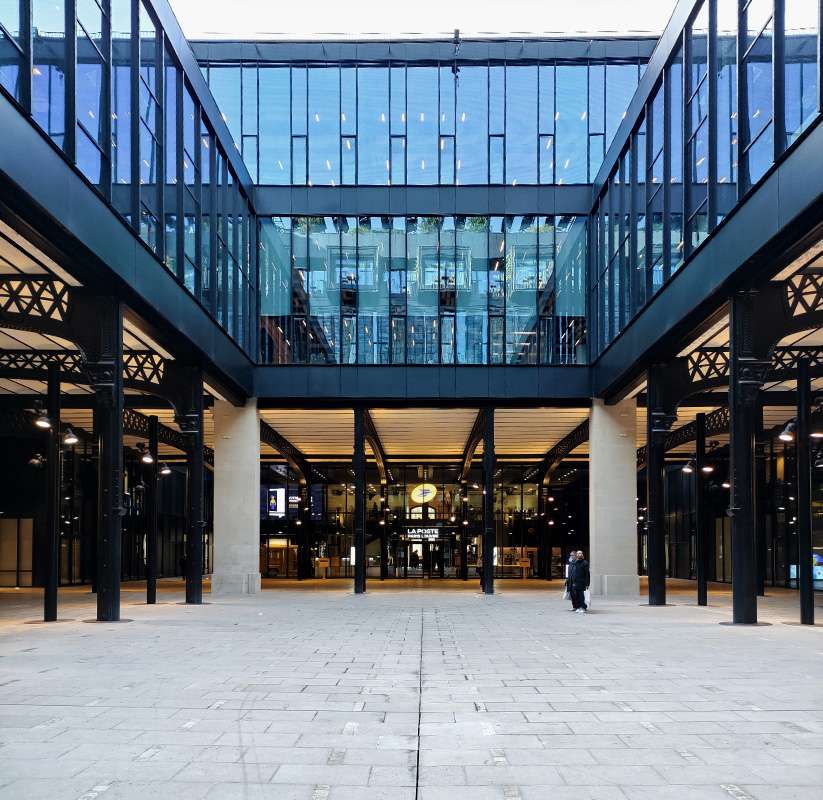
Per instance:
{"type": "Point", "coordinates": [37, 460]}
{"type": "Point", "coordinates": [42, 421]}
{"type": "Point", "coordinates": [165, 469]}
{"type": "Point", "coordinates": [787, 434]}
{"type": "Point", "coordinates": [707, 468]}
{"type": "Point", "coordinates": [465, 522]}
{"type": "Point", "coordinates": [688, 467]}
{"type": "Point", "coordinates": [726, 485]}
{"type": "Point", "coordinates": [70, 437]}
{"type": "Point", "coordinates": [146, 457]}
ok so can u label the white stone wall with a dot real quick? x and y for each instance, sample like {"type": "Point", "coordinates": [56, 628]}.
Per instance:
{"type": "Point", "coordinates": [236, 499]}
{"type": "Point", "coordinates": [613, 498]}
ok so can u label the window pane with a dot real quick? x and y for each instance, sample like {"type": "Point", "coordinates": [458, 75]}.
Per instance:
{"type": "Point", "coordinates": [621, 83]}
{"type": "Point", "coordinates": [422, 286]}
{"type": "Point", "coordinates": [472, 126]}
{"type": "Point", "coordinates": [224, 82]}
{"type": "Point", "coordinates": [373, 290]}
{"type": "Point", "coordinates": [570, 124]}
{"type": "Point", "coordinates": [422, 125]}
{"type": "Point", "coordinates": [324, 126]}
{"type": "Point", "coordinates": [726, 112]}
{"type": "Point", "coordinates": [472, 333]}
{"type": "Point", "coordinates": [801, 66]}
{"type": "Point", "coordinates": [521, 290]}
{"type": "Point", "coordinates": [521, 125]}
{"type": "Point", "coordinates": [275, 290]}
{"type": "Point", "coordinates": [496, 159]}
{"type": "Point", "coordinates": [299, 108]}
{"type": "Point", "coordinates": [48, 88]}
{"type": "Point", "coordinates": [374, 167]}
{"type": "Point", "coordinates": [275, 137]}
{"type": "Point", "coordinates": [324, 290]}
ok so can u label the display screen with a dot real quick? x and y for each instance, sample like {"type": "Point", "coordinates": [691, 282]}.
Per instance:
{"type": "Point", "coordinates": [277, 502]}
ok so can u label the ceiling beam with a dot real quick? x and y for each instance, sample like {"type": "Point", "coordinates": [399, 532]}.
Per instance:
{"type": "Point", "coordinates": [293, 455]}
{"type": "Point", "coordinates": [554, 457]}
{"type": "Point", "coordinates": [373, 438]}
{"type": "Point", "coordinates": [472, 443]}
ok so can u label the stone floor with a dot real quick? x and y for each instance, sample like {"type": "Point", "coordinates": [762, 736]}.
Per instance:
{"type": "Point", "coordinates": [314, 693]}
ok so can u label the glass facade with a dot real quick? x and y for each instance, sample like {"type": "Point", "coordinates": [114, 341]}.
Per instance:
{"type": "Point", "coordinates": [108, 90]}
{"type": "Point", "coordinates": [705, 137]}
{"type": "Point", "coordinates": [423, 124]}
{"type": "Point", "coordinates": [528, 519]}
{"type": "Point", "coordinates": [423, 290]}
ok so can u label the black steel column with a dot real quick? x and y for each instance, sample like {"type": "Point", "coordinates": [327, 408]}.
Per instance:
{"type": "Point", "coordinates": [489, 527]}
{"type": "Point", "coordinates": [656, 536]}
{"type": "Point", "coordinates": [464, 531]}
{"type": "Point", "coordinates": [760, 502]}
{"type": "Point", "coordinates": [152, 505]}
{"type": "Point", "coordinates": [52, 495]}
{"type": "Point", "coordinates": [804, 494]}
{"type": "Point", "coordinates": [384, 544]}
{"type": "Point", "coordinates": [194, 540]}
{"type": "Point", "coordinates": [745, 380]}
{"type": "Point", "coordinates": [359, 464]}
{"type": "Point", "coordinates": [700, 550]}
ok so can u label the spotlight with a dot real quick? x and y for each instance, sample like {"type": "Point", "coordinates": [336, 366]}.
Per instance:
{"type": "Point", "coordinates": [145, 456]}
{"type": "Point", "coordinates": [465, 522]}
{"type": "Point", "coordinates": [787, 434]}
{"type": "Point", "coordinates": [37, 460]}
{"type": "Point", "coordinates": [165, 469]}
{"type": "Point", "coordinates": [688, 467]}
{"type": "Point", "coordinates": [726, 485]}
{"type": "Point", "coordinates": [707, 468]}
{"type": "Point", "coordinates": [70, 437]}
{"type": "Point", "coordinates": [42, 421]}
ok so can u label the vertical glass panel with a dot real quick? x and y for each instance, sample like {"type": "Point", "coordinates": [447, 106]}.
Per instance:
{"type": "Point", "coordinates": [398, 160]}
{"type": "Point", "coordinates": [801, 70]}
{"type": "Point", "coordinates": [447, 160]}
{"type": "Point", "coordinates": [447, 284]}
{"type": "Point", "coordinates": [275, 290]}
{"type": "Point", "coordinates": [373, 290]}
{"type": "Point", "coordinates": [299, 100]}
{"type": "Point", "coordinates": [90, 100]}
{"type": "Point", "coordinates": [250, 100]}
{"type": "Point", "coordinates": [11, 48]}
{"type": "Point", "coordinates": [422, 287]}
{"type": "Point", "coordinates": [496, 159]}
{"type": "Point", "coordinates": [521, 125]}
{"type": "Point", "coordinates": [621, 83]}
{"type": "Point", "coordinates": [298, 160]}
{"type": "Point", "coordinates": [349, 160]}
{"type": "Point", "coordinates": [324, 290]}
{"type": "Point", "coordinates": [121, 105]}
{"type": "Point", "coordinates": [521, 290]}
{"type": "Point", "coordinates": [597, 98]}
{"type": "Point", "coordinates": [324, 126]}
{"type": "Point", "coordinates": [347, 269]}
{"type": "Point", "coordinates": [472, 323]}
{"type": "Point", "coordinates": [398, 101]}
{"type": "Point", "coordinates": [275, 132]}
{"type": "Point", "coordinates": [224, 82]}
{"type": "Point", "coordinates": [546, 159]}
{"type": "Point", "coordinates": [170, 120]}
{"type": "Point", "coordinates": [571, 128]}
{"type": "Point", "coordinates": [545, 113]}
{"type": "Point", "coordinates": [569, 345]}
{"type": "Point", "coordinates": [48, 87]}
{"type": "Point", "coordinates": [348, 101]}
{"type": "Point", "coordinates": [726, 111]}
{"type": "Point", "coordinates": [756, 94]}
{"type": "Point", "coordinates": [472, 126]}
{"type": "Point", "coordinates": [447, 100]}
{"type": "Point", "coordinates": [497, 100]}
{"type": "Point", "coordinates": [373, 160]}
{"type": "Point", "coordinates": [497, 290]}
{"type": "Point", "coordinates": [422, 126]}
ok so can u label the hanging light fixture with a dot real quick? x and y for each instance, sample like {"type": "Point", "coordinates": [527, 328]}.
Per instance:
{"type": "Point", "coordinates": [145, 456]}
{"type": "Point", "coordinates": [42, 421]}
{"type": "Point", "coordinates": [787, 434]}
{"type": "Point", "coordinates": [818, 462]}
{"type": "Point", "coordinates": [688, 467]}
{"type": "Point", "coordinates": [726, 485]}
{"type": "Point", "coordinates": [165, 469]}
{"type": "Point", "coordinates": [37, 460]}
{"type": "Point", "coordinates": [707, 469]}
{"type": "Point", "coordinates": [70, 437]}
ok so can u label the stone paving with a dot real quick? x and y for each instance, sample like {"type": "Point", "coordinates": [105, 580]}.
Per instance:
{"type": "Point", "coordinates": [401, 694]}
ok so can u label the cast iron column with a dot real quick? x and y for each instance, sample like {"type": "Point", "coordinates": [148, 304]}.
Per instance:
{"type": "Point", "coordinates": [700, 553]}
{"type": "Point", "coordinates": [489, 528]}
{"type": "Point", "coordinates": [194, 540]}
{"type": "Point", "coordinates": [52, 495]}
{"type": "Point", "coordinates": [760, 501]}
{"type": "Point", "coordinates": [656, 536]}
{"type": "Point", "coordinates": [359, 502]}
{"type": "Point", "coordinates": [745, 379]}
{"type": "Point", "coordinates": [151, 515]}
{"type": "Point", "coordinates": [105, 368]}
{"type": "Point", "coordinates": [804, 494]}
{"type": "Point", "coordinates": [464, 531]}
{"type": "Point", "coordinates": [384, 539]}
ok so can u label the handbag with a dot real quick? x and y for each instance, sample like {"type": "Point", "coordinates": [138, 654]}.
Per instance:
{"type": "Point", "coordinates": [566, 593]}
{"type": "Point", "coordinates": [587, 597]}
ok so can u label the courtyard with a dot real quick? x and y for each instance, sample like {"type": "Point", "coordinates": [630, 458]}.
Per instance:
{"type": "Point", "coordinates": [308, 691]}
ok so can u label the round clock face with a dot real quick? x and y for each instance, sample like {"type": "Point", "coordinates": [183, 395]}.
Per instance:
{"type": "Point", "coordinates": [423, 493]}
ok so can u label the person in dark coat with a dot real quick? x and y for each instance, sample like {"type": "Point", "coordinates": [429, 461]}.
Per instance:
{"type": "Point", "coordinates": [579, 578]}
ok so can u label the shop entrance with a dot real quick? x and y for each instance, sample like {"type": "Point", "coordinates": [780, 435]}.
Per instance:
{"type": "Point", "coordinates": [426, 558]}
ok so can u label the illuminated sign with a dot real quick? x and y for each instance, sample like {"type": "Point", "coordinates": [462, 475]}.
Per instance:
{"type": "Point", "coordinates": [428, 533]}
{"type": "Point", "coordinates": [277, 502]}
{"type": "Point", "coordinates": [293, 499]}
{"type": "Point", "coordinates": [423, 493]}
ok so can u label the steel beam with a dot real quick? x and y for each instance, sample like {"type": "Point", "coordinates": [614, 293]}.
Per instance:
{"type": "Point", "coordinates": [804, 495]}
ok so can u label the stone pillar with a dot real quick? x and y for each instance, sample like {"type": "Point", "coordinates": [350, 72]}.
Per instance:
{"type": "Point", "coordinates": [236, 499]}
{"type": "Point", "coordinates": [612, 499]}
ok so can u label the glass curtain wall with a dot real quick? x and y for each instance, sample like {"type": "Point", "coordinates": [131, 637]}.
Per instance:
{"type": "Point", "coordinates": [423, 124]}
{"type": "Point", "coordinates": [673, 183]}
{"type": "Point", "coordinates": [107, 88]}
{"type": "Point", "coordinates": [423, 290]}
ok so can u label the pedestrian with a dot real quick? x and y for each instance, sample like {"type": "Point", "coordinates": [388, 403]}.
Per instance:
{"type": "Point", "coordinates": [572, 560]}
{"type": "Point", "coordinates": [579, 578]}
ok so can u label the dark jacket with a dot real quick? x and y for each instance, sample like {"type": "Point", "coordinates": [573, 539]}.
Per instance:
{"type": "Point", "coordinates": [579, 576]}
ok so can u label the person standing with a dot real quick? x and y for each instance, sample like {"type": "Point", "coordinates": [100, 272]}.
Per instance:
{"type": "Point", "coordinates": [572, 560]}
{"type": "Point", "coordinates": [579, 578]}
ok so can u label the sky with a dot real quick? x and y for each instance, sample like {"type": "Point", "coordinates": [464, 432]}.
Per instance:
{"type": "Point", "coordinates": [313, 18]}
